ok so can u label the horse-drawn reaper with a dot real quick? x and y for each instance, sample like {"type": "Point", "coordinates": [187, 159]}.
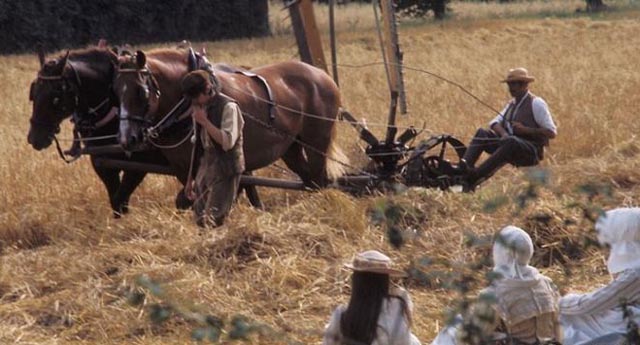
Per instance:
{"type": "Point", "coordinates": [290, 112]}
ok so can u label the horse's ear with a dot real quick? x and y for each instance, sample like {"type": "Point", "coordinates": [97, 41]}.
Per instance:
{"type": "Point", "coordinates": [41, 56]}
{"type": "Point", "coordinates": [203, 51]}
{"type": "Point", "coordinates": [184, 44]}
{"type": "Point", "coordinates": [63, 61]}
{"type": "Point", "coordinates": [141, 59]}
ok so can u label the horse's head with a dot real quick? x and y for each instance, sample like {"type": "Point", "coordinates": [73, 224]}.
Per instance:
{"type": "Point", "coordinates": [139, 95]}
{"type": "Point", "coordinates": [54, 94]}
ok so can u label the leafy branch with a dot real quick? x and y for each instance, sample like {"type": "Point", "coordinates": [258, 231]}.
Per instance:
{"type": "Point", "coordinates": [207, 327]}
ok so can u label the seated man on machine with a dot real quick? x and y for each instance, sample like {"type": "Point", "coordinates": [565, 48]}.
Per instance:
{"type": "Point", "coordinates": [516, 136]}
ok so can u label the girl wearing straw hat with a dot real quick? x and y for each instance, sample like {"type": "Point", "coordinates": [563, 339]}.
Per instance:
{"type": "Point", "coordinates": [376, 314]}
{"type": "Point", "coordinates": [598, 317]}
{"type": "Point", "coordinates": [526, 308]}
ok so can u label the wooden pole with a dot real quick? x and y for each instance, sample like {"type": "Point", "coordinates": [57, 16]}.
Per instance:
{"type": "Point", "coordinates": [334, 48]}
{"type": "Point", "coordinates": [271, 182]}
{"type": "Point", "coordinates": [133, 166]}
{"type": "Point", "coordinates": [307, 34]}
{"type": "Point", "coordinates": [393, 56]}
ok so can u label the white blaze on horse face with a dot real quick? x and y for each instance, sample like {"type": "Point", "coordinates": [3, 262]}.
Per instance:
{"type": "Point", "coordinates": [125, 127]}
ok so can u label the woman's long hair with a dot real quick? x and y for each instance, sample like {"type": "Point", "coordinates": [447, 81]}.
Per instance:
{"type": "Point", "coordinates": [359, 322]}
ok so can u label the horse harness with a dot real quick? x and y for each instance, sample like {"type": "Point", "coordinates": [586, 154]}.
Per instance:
{"type": "Point", "coordinates": [84, 123]}
{"type": "Point", "coordinates": [142, 72]}
{"type": "Point", "coordinates": [181, 112]}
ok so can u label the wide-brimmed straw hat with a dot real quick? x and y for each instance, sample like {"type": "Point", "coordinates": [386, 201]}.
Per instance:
{"type": "Point", "coordinates": [518, 74]}
{"type": "Point", "coordinates": [375, 262]}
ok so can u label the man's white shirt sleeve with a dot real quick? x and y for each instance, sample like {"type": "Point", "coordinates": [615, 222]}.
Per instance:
{"type": "Point", "coordinates": [231, 125]}
{"type": "Point", "coordinates": [542, 115]}
{"type": "Point", "coordinates": [499, 117]}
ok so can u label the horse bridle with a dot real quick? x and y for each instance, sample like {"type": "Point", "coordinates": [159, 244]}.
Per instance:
{"type": "Point", "coordinates": [69, 88]}
{"type": "Point", "coordinates": [79, 121]}
{"type": "Point", "coordinates": [149, 81]}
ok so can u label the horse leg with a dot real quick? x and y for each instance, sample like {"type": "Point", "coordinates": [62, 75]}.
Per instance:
{"type": "Point", "coordinates": [317, 164]}
{"type": "Point", "coordinates": [318, 138]}
{"type": "Point", "coordinates": [181, 200]}
{"type": "Point", "coordinates": [111, 180]}
{"type": "Point", "coordinates": [130, 181]}
{"type": "Point", "coordinates": [252, 193]}
{"type": "Point", "coordinates": [296, 161]}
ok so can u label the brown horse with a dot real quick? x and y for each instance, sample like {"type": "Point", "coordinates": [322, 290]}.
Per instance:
{"type": "Point", "coordinates": [301, 132]}
{"type": "Point", "coordinates": [80, 83]}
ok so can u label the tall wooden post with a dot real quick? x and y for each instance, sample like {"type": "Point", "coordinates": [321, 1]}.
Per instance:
{"type": "Point", "coordinates": [306, 32]}
{"type": "Point", "coordinates": [332, 36]}
{"type": "Point", "coordinates": [394, 61]}
{"type": "Point", "coordinates": [310, 49]}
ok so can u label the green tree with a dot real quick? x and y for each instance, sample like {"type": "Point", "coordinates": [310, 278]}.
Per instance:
{"type": "Point", "coordinates": [595, 5]}
{"type": "Point", "coordinates": [420, 8]}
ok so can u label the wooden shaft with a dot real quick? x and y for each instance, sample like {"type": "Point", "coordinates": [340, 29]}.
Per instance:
{"type": "Point", "coordinates": [307, 34]}
{"type": "Point", "coordinates": [134, 166]}
{"type": "Point", "coordinates": [334, 48]}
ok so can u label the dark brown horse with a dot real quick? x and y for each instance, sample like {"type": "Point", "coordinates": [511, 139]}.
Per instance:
{"type": "Point", "coordinates": [301, 132]}
{"type": "Point", "coordinates": [79, 83]}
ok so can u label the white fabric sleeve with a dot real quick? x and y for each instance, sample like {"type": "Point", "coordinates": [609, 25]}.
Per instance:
{"type": "Point", "coordinates": [627, 286]}
{"type": "Point", "coordinates": [231, 125]}
{"type": "Point", "coordinates": [499, 117]}
{"type": "Point", "coordinates": [393, 322]}
{"type": "Point", "coordinates": [542, 115]}
{"type": "Point", "coordinates": [332, 334]}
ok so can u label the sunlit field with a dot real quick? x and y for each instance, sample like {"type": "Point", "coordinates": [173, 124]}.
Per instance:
{"type": "Point", "coordinates": [67, 265]}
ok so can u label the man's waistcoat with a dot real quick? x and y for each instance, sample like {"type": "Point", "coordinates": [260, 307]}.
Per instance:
{"type": "Point", "coordinates": [229, 162]}
{"type": "Point", "coordinates": [524, 115]}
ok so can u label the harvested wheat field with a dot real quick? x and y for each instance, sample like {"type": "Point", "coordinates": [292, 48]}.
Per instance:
{"type": "Point", "coordinates": [69, 269]}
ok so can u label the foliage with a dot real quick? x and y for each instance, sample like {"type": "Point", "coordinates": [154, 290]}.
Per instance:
{"type": "Point", "coordinates": [57, 24]}
{"type": "Point", "coordinates": [595, 5]}
{"type": "Point", "coordinates": [399, 220]}
{"type": "Point", "coordinates": [474, 316]}
{"type": "Point", "coordinates": [207, 327]}
{"type": "Point", "coordinates": [420, 8]}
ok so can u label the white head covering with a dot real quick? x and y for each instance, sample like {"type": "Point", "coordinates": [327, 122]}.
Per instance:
{"type": "Point", "coordinates": [512, 252]}
{"type": "Point", "coordinates": [620, 228]}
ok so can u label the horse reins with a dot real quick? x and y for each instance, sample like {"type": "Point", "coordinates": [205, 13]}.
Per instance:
{"type": "Point", "coordinates": [146, 71]}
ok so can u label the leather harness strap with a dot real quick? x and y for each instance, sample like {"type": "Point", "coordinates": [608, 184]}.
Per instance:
{"type": "Point", "coordinates": [263, 82]}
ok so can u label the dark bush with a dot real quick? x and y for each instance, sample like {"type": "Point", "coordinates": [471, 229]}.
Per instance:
{"type": "Point", "coordinates": [57, 24]}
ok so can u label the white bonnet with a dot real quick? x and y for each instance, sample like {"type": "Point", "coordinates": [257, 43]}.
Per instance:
{"type": "Point", "coordinates": [512, 252]}
{"type": "Point", "coordinates": [620, 229]}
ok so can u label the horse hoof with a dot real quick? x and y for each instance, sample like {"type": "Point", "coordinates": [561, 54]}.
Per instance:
{"type": "Point", "coordinates": [120, 211]}
{"type": "Point", "coordinates": [182, 202]}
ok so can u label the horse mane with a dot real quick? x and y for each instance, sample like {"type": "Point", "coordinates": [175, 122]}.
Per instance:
{"type": "Point", "coordinates": [92, 54]}
{"type": "Point", "coordinates": [167, 53]}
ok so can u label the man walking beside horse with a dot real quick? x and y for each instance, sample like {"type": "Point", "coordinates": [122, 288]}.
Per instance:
{"type": "Point", "coordinates": [516, 136]}
{"type": "Point", "coordinates": [219, 131]}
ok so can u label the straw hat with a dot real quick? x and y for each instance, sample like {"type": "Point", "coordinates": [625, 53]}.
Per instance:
{"type": "Point", "coordinates": [518, 74]}
{"type": "Point", "coordinates": [375, 262]}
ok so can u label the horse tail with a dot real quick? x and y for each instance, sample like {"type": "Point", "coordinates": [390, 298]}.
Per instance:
{"type": "Point", "coordinates": [336, 159]}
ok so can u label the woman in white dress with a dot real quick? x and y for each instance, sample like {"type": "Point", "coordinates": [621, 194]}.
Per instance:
{"type": "Point", "coordinates": [376, 313]}
{"type": "Point", "coordinates": [526, 307]}
{"type": "Point", "coordinates": [585, 318]}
